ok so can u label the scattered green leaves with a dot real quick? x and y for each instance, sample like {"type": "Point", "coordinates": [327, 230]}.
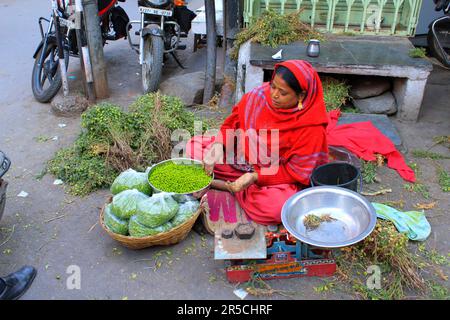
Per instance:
{"type": "Point", "coordinates": [444, 180]}
{"type": "Point", "coordinates": [418, 188]}
{"type": "Point", "coordinates": [369, 171]}
{"type": "Point", "coordinates": [42, 139]}
{"type": "Point", "coordinates": [415, 167]}
{"type": "Point", "coordinates": [444, 140]}
{"type": "Point", "coordinates": [418, 53]}
{"type": "Point", "coordinates": [328, 286]}
{"type": "Point", "coordinates": [116, 252]}
{"type": "Point", "coordinates": [400, 204]}
{"type": "Point", "coordinates": [43, 172]}
{"type": "Point", "coordinates": [435, 257]}
{"type": "Point", "coordinates": [438, 292]}
{"type": "Point", "coordinates": [428, 155]}
{"type": "Point", "coordinates": [212, 279]}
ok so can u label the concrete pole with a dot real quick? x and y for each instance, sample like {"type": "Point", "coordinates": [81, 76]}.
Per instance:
{"type": "Point", "coordinates": [233, 13]}
{"type": "Point", "coordinates": [95, 45]}
{"type": "Point", "coordinates": [83, 52]}
{"type": "Point", "coordinates": [211, 50]}
{"type": "Point", "coordinates": [225, 31]}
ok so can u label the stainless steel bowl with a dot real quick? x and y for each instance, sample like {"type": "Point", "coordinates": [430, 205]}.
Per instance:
{"type": "Point", "coordinates": [180, 196]}
{"type": "Point", "coordinates": [355, 216]}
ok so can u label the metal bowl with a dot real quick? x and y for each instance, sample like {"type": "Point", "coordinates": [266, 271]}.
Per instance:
{"type": "Point", "coordinates": [181, 197]}
{"type": "Point", "coordinates": [355, 216]}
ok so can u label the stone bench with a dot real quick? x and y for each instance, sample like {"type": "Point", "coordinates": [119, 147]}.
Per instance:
{"type": "Point", "coordinates": [352, 55]}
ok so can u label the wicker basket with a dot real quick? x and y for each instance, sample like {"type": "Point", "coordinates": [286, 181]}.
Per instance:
{"type": "Point", "coordinates": [173, 236]}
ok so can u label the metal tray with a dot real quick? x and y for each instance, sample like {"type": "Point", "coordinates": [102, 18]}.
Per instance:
{"type": "Point", "coordinates": [355, 217]}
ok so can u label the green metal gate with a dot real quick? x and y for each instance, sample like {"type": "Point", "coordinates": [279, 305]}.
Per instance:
{"type": "Point", "coordinates": [378, 17]}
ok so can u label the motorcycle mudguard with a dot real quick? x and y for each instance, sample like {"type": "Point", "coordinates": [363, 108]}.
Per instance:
{"type": "Point", "coordinates": [152, 30]}
{"type": "Point", "coordinates": [120, 19]}
{"type": "Point", "coordinates": [104, 6]}
{"type": "Point", "coordinates": [41, 44]}
{"type": "Point", "coordinates": [183, 16]}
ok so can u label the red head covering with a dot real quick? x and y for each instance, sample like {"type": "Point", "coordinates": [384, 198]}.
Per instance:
{"type": "Point", "coordinates": [301, 141]}
{"type": "Point", "coordinates": [313, 111]}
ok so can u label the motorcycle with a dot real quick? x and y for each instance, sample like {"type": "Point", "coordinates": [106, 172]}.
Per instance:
{"type": "Point", "coordinates": [439, 33]}
{"type": "Point", "coordinates": [162, 24]}
{"type": "Point", "coordinates": [60, 41]}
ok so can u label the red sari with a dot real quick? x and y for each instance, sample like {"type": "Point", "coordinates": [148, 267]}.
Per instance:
{"type": "Point", "coordinates": [301, 144]}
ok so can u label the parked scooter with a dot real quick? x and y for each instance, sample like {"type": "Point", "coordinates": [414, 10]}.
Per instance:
{"type": "Point", "coordinates": [162, 24]}
{"type": "Point", "coordinates": [439, 33]}
{"type": "Point", "coordinates": [60, 41]}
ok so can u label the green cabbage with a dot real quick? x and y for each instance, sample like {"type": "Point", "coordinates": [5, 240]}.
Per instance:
{"type": "Point", "coordinates": [156, 210]}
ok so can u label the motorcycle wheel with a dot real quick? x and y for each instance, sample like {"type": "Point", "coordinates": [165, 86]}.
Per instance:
{"type": "Point", "coordinates": [153, 62]}
{"type": "Point", "coordinates": [46, 79]}
{"type": "Point", "coordinates": [442, 32]}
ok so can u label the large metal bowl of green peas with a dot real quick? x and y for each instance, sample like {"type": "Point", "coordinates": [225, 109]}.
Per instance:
{"type": "Point", "coordinates": [182, 177]}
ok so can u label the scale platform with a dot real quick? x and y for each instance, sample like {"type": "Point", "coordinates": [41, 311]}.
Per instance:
{"type": "Point", "coordinates": [264, 254]}
{"type": "Point", "coordinates": [224, 213]}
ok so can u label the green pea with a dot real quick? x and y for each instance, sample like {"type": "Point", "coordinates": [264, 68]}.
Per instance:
{"type": "Point", "coordinates": [179, 178]}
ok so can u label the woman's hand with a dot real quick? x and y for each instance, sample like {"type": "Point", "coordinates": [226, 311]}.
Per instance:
{"type": "Point", "coordinates": [243, 182]}
{"type": "Point", "coordinates": [214, 155]}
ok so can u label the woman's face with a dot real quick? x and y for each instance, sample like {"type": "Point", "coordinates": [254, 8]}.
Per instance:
{"type": "Point", "coordinates": [283, 96]}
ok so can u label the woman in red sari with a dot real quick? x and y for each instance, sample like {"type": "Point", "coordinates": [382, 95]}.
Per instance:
{"type": "Point", "coordinates": [291, 105]}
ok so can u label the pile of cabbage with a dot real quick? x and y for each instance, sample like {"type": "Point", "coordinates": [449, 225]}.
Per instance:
{"type": "Point", "coordinates": [135, 212]}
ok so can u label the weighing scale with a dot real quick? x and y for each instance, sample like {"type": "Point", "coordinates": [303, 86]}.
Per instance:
{"type": "Point", "coordinates": [259, 253]}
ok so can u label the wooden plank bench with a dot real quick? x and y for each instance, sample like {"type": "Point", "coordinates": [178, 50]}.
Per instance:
{"type": "Point", "coordinates": [352, 55]}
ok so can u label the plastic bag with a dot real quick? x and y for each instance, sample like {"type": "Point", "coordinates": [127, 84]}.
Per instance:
{"type": "Point", "coordinates": [124, 204]}
{"type": "Point", "coordinates": [182, 198]}
{"type": "Point", "coordinates": [186, 210]}
{"type": "Point", "coordinates": [138, 230]}
{"type": "Point", "coordinates": [131, 179]}
{"type": "Point", "coordinates": [157, 210]}
{"type": "Point", "coordinates": [113, 223]}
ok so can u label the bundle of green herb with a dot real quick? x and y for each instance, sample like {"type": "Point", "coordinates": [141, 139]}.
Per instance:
{"type": "Point", "coordinates": [274, 29]}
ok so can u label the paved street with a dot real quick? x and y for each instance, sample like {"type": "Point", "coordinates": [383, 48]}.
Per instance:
{"type": "Point", "coordinates": [52, 230]}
